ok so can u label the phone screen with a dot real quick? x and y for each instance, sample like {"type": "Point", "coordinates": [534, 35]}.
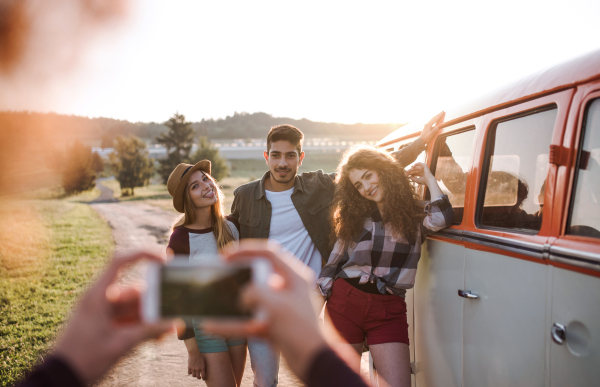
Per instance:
{"type": "Point", "coordinates": [198, 291]}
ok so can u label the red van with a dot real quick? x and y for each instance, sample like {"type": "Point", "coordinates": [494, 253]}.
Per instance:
{"type": "Point", "coordinates": [510, 294]}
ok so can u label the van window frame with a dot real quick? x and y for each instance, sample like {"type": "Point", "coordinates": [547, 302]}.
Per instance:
{"type": "Point", "coordinates": [579, 150]}
{"type": "Point", "coordinates": [485, 165]}
{"type": "Point", "coordinates": [434, 158]}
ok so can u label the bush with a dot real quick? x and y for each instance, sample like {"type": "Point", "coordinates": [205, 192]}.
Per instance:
{"type": "Point", "coordinates": [78, 170]}
{"type": "Point", "coordinates": [130, 163]}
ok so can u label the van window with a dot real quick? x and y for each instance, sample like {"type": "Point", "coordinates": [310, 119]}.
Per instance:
{"type": "Point", "coordinates": [515, 170]}
{"type": "Point", "coordinates": [585, 213]}
{"type": "Point", "coordinates": [451, 168]}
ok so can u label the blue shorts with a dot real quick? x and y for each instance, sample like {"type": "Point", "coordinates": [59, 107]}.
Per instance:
{"type": "Point", "coordinates": [210, 343]}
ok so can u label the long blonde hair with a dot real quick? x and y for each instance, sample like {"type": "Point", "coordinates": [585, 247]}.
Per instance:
{"type": "Point", "coordinates": [221, 230]}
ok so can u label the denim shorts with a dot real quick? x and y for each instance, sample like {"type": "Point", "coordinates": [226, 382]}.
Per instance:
{"type": "Point", "coordinates": [210, 343]}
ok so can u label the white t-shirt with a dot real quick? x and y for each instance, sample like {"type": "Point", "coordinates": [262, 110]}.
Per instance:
{"type": "Point", "coordinates": [287, 229]}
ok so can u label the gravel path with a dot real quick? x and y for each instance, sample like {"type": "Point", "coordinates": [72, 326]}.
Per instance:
{"type": "Point", "coordinates": [142, 226]}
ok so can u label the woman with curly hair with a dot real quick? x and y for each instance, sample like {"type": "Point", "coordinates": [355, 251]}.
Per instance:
{"type": "Point", "coordinates": [379, 224]}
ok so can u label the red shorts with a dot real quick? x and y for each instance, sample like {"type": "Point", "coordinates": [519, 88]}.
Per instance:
{"type": "Point", "coordinates": [356, 314]}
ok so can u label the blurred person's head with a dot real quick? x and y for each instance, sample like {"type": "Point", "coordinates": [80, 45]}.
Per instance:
{"type": "Point", "coordinates": [284, 152]}
{"type": "Point", "coordinates": [41, 42]}
{"type": "Point", "coordinates": [366, 177]}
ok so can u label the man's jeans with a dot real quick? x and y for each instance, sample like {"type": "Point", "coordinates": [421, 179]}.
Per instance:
{"type": "Point", "coordinates": [264, 360]}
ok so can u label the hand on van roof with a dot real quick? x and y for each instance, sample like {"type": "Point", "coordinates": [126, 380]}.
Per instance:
{"type": "Point", "coordinates": [429, 130]}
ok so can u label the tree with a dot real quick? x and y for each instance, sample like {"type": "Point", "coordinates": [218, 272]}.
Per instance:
{"type": "Point", "coordinates": [178, 141]}
{"type": "Point", "coordinates": [206, 151]}
{"type": "Point", "coordinates": [78, 172]}
{"type": "Point", "coordinates": [97, 162]}
{"type": "Point", "coordinates": [130, 163]}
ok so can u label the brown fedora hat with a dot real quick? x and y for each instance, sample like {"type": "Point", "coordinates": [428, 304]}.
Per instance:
{"type": "Point", "coordinates": [178, 180]}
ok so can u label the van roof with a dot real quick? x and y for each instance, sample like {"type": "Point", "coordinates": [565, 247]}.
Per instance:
{"type": "Point", "coordinates": [550, 80]}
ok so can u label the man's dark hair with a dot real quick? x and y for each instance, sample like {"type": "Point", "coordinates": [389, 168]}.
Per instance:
{"type": "Point", "coordinates": [287, 133]}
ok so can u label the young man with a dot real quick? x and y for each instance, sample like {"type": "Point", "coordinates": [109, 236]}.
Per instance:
{"type": "Point", "coordinates": [293, 210]}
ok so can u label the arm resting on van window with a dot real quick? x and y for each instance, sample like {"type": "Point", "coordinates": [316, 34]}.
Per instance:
{"type": "Point", "coordinates": [438, 212]}
{"type": "Point", "coordinates": [407, 155]}
{"type": "Point", "coordinates": [438, 215]}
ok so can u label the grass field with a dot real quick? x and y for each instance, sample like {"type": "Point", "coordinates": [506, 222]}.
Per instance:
{"type": "Point", "coordinates": [50, 250]}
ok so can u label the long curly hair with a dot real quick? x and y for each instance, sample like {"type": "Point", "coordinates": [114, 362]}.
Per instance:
{"type": "Point", "coordinates": [402, 208]}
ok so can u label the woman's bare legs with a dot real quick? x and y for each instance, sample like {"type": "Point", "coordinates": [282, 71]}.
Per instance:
{"type": "Point", "coordinates": [392, 361]}
{"type": "Point", "coordinates": [237, 356]}
{"type": "Point", "coordinates": [219, 371]}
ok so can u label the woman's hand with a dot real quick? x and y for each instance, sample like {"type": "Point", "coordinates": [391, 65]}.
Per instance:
{"type": "Point", "coordinates": [419, 173]}
{"type": "Point", "coordinates": [196, 366]}
{"type": "Point", "coordinates": [429, 130]}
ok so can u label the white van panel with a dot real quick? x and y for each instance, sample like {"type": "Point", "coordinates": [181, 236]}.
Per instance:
{"type": "Point", "coordinates": [439, 314]}
{"type": "Point", "coordinates": [576, 305]}
{"type": "Point", "coordinates": [504, 329]}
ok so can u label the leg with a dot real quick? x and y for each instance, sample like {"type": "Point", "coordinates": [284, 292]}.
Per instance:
{"type": "Point", "coordinates": [392, 361]}
{"type": "Point", "coordinates": [237, 355]}
{"type": "Point", "coordinates": [343, 312]}
{"type": "Point", "coordinates": [264, 360]}
{"type": "Point", "coordinates": [219, 372]}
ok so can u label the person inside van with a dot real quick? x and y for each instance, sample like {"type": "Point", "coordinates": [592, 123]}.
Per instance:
{"type": "Point", "coordinates": [379, 225]}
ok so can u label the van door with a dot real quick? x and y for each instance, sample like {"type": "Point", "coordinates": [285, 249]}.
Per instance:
{"type": "Point", "coordinates": [575, 318]}
{"type": "Point", "coordinates": [505, 285]}
{"type": "Point", "coordinates": [438, 312]}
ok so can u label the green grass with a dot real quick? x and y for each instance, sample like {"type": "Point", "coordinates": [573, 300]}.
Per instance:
{"type": "Point", "coordinates": [57, 192]}
{"type": "Point", "coordinates": [50, 250]}
{"type": "Point", "coordinates": [149, 192]}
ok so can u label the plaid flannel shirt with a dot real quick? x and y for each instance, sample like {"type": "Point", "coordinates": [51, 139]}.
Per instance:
{"type": "Point", "coordinates": [378, 256]}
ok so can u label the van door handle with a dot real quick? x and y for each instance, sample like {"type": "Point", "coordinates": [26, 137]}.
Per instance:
{"type": "Point", "coordinates": [467, 294]}
{"type": "Point", "coordinates": [559, 333]}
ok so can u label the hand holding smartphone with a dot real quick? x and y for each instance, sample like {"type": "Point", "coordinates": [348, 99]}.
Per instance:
{"type": "Point", "coordinates": [196, 290]}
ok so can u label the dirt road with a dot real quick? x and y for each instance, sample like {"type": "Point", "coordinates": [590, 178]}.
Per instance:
{"type": "Point", "coordinates": [164, 363]}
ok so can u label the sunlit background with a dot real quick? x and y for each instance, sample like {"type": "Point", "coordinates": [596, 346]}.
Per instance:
{"type": "Point", "coordinates": [333, 61]}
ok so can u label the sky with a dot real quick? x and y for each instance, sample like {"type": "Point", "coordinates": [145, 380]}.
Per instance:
{"type": "Point", "coordinates": [332, 61]}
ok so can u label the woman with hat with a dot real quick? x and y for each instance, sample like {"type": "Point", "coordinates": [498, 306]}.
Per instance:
{"type": "Point", "coordinates": [200, 234]}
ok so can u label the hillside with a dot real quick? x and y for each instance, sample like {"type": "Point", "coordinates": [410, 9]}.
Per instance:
{"type": "Point", "coordinates": [60, 129]}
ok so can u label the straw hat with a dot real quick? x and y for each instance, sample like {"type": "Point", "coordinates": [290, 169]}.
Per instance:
{"type": "Point", "coordinates": [178, 180]}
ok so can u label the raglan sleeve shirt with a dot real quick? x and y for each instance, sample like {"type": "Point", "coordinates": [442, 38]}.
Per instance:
{"type": "Point", "coordinates": [180, 244]}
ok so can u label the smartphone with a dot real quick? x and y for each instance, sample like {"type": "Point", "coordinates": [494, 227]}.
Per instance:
{"type": "Point", "coordinates": [195, 290]}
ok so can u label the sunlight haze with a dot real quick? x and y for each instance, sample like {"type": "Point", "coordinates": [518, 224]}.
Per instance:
{"type": "Point", "coordinates": [335, 61]}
